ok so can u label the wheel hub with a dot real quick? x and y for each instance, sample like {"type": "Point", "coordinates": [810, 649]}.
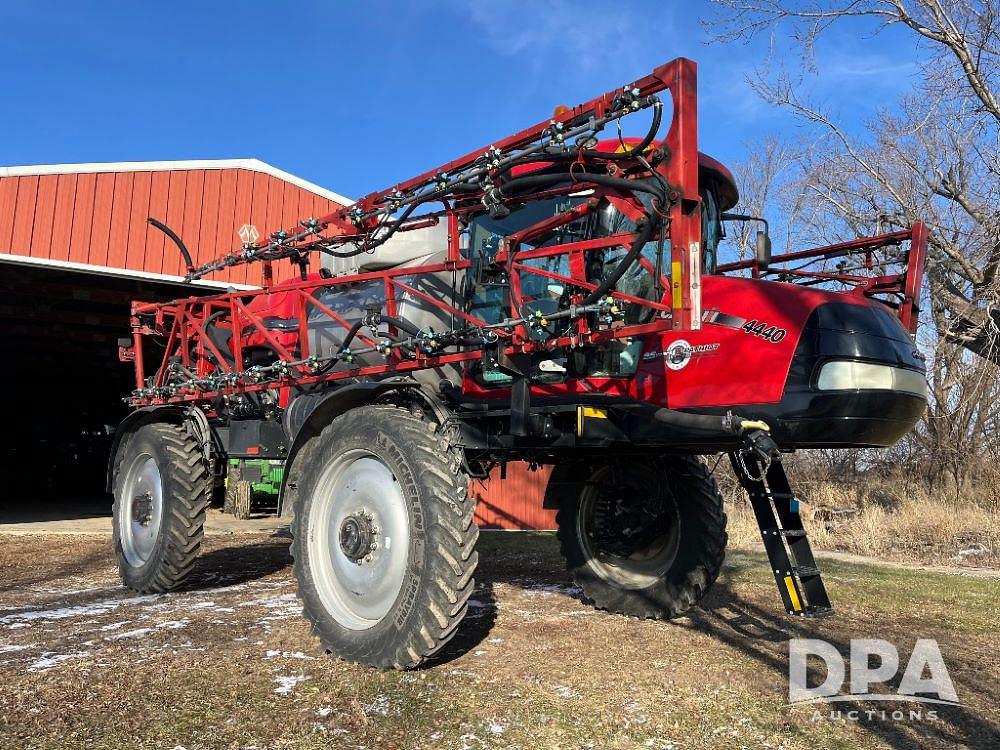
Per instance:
{"type": "Point", "coordinates": [357, 537]}
{"type": "Point", "coordinates": [626, 523]}
{"type": "Point", "coordinates": [142, 508]}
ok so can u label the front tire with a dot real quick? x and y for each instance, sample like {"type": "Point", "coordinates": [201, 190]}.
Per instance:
{"type": "Point", "coordinates": [162, 490]}
{"type": "Point", "coordinates": [383, 538]}
{"type": "Point", "coordinates": [643, 537]}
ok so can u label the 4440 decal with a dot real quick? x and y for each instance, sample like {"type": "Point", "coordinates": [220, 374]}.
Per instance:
{"type": "Point", "coordinates": [769, 333]}
{"type": "Point", "coordinates": [765, 331]}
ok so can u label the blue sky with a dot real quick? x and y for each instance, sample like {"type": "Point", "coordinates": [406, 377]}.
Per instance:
{"type": "Point", "coordinates": [357, 96]}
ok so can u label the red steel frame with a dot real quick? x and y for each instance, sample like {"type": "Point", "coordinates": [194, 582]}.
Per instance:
{"type": "Point", "coordinates": [182, 321]}
{"type": "Point", "coordinates": [904, 287]}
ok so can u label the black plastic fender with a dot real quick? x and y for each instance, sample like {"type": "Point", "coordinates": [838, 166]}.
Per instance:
{"type": "Point", "coordinates": [308, 414]}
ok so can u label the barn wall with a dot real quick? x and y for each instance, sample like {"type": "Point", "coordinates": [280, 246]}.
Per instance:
{"type": "Point", "coordinates": [514, 502]}
{"type": "Point", "coordinates": [100, 218]}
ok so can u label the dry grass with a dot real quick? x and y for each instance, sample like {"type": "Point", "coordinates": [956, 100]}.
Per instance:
{"type": "Point", "coordinates": [230, 664]}
{"type": "Point", "coordinates": [917, 528]}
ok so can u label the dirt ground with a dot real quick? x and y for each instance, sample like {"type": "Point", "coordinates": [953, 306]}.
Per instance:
{"type": "Point", "coordinates": [229, 663]}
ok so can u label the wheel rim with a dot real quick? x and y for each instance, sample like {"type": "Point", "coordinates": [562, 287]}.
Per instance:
{"type": "Point", "coordinates": [654, 551]}
{"type": "Point", "coordinates": [140, 510]}
{"type": "Point", "coordinates": [358, 539]}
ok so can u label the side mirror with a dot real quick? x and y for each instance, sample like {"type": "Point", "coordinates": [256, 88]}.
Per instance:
{"type": "Point", "coordinates": [762, 248]}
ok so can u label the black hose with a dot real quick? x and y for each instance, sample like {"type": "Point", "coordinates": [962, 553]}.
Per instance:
{"type": "Point", "coordinates": [639, 147]}
{"type": "Point", "coordinates": [645, 233]}
{"type": "Point", "coordinates": [351, 333]}
{"type": "Point", "coordinates": [683, 419]}
{"type": "Point", "coordinates": [177, 241]}
{"type": "Point", "coordinates": [534, 181]}
{"type": "Point", "coordinates": [403, 325]}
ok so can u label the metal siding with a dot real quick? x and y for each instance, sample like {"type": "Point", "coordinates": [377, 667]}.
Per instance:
{"type": "Point", "coordinates": [227, 208]}
{"type": "Point", "coordinates": [210, 211]}
{"type": "Point", "coordinates": [8, 202]}
{"type": "Point", "coordinates": [242, 213]}
{"type": "Point", "coordinates": [100, 218]}
{"type": "Point", "coordinates": [121, 208]}
{"type": "Point", "coordinates": [156, 241]}
{"type": "Point", "coordinates": [62, 220]}
{"type": "Point", "coordinates": [190, 227]}
{"type": "Point", "coordinates": [24, 215]}
{"type": "Point", "coordinates": [45, 206]}
{"type": "Point", "coordinates": [101, 225]}
{"type": "Point", "coordinates": [514, 502]}
{"type": "Point", "coordinates": [175, 218]}
{"type": "Point", "coordinates": [83, 218]}
{"type": "Point", "coordinates": [138, 229]}
{"type": "Point", "coordinates": [275, 203]}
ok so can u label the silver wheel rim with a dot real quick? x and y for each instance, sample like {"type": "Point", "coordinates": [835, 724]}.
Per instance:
{"type": "Point", "coordinates": [639, 570]}
{"type": "Point", "coordinates": [358, 539]}
{"type": "Point", "coordinates": [140, 510]}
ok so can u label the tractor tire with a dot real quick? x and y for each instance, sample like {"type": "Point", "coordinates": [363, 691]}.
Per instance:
{"type": "Point", "coordinates": [239, 496]}
{"type": "Point", "coordinates": [642, 537]}
{"type": "Point", "coordinates": [383, 537]}
{"type": "Point", "coordinates": [162, 488]}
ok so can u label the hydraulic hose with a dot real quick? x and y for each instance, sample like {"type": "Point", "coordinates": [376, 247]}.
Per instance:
{"type": "Point", "coordinates": [351, 333]}
{"type": "Point", "coordinates": [177, 241]}
{"type": "Point", "coordinates": [639, 147]}
{"type": "Point", "coordinates": [535, 181]}
{"type": "Point", "coordinates": [645, 234]}
{"type": "Point", "coordinates": [403, 325]}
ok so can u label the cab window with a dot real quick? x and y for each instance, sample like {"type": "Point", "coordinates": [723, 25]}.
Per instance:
{"type": "Point", "coordinates": [711, 231]}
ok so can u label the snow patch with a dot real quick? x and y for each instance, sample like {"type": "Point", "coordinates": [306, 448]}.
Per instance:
{"type": "Point", "coordinates": [8, 648]}
{"type": "Point", "coordinates": [115, 625]}
{"type": "Point", "coordinates": [548, 589]}
{"type": "Point", "coordinates": [378, 707]}
{"type": "Point", "coordinates": [174, 624]}
{"type": "Point", "coordinates": [288, 655]}
{"type": "Point", "coordinates": [137, 633]}
{"type": "Point", "coordinates": [51, 659]}
{"type": "Point", "coordinates": [23, 619]}
{"type": "Point", "coordinates": [287, 684]}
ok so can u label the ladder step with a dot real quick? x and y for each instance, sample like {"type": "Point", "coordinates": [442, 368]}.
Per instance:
{"type": "Point", "coordinates": [806, 571]}
{"type": "Point", "coordinates": [788, 533]}
{"type": "Point", "coordinates": [816, 612]}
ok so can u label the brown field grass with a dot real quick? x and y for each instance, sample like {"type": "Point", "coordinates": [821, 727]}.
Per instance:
{"type": "Point", "coordinates": [229, 663]}
{"type": "Point", "coordinates": [870, 519]}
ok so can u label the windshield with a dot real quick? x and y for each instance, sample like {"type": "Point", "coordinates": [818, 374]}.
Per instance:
{"type": "Point", "coordinates": [544, 293]}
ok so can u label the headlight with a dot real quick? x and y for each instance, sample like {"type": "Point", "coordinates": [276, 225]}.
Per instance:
{"type": "Point", "coordinates": [850, 376]}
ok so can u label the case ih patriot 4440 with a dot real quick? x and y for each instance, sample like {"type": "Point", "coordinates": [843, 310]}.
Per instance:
{"type": "Point", "coordinates": [573, 313]}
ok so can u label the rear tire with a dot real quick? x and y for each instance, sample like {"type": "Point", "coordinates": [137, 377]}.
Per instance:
{"type": "Point", "coordinates": [383, 537]}
{"type": "Point", "coordinates": [162, 488]}
{"type": "Point", "coordinates": [643, 537]}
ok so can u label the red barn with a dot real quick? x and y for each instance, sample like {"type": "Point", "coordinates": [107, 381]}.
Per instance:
{"type": "Point", "coordinates": [75, 249]}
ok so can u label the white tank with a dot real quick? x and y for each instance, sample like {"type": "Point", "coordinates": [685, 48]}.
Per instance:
{"type": "Point", "coordinates": [419, 247]}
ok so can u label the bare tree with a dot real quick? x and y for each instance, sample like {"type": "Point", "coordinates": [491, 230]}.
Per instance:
{"type": "Point", "coordinates": [933, 157]}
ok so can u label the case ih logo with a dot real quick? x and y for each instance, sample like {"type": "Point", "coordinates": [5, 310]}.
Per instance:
{"type": "Point", "coordinates": [935, 689]}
